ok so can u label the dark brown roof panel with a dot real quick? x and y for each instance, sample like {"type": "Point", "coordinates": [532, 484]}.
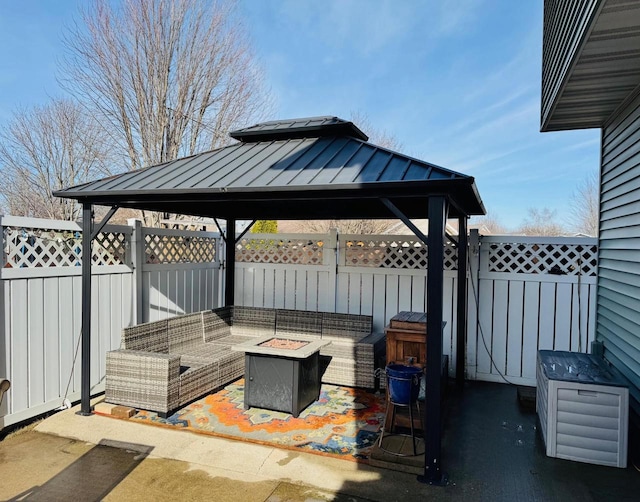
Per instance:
{"type": "Point", "coordinates": [320, 170]}
{"type": "Point", "coordinates": [312, 127]}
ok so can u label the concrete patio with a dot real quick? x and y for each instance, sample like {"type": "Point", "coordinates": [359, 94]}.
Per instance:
{"type": "Point", "coordinates": [491, 450]}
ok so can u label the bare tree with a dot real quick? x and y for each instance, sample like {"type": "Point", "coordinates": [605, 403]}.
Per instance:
{"type": "Point", "coordinates": [541, 222]}
{"type": "Point", "coordinates": [169, 77]}
{"type": "Point", "coordinates": [377, 136]}
{"type": "Point", "coordinates": [48, 148]}
{"type": "Point", "coordinates": [343, 226]}
{"type": "Point", "coordinates": [585, 206]}
{"type": "Point", "coordinates": [490, 223]}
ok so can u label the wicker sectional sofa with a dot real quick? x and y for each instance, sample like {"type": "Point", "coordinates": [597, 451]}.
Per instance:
{"type": "Point", "coordinates": [164, 365]}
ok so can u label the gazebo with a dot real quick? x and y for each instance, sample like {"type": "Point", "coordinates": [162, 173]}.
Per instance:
{"type": "Point", "coordinates": [308, 168]}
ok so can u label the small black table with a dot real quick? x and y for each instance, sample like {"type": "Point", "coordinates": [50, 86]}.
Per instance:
{"type": "Point", "coordinates": [281, 379]}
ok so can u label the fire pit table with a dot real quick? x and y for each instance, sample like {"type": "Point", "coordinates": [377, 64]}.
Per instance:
{"type": "Point", "coordinates": [281, 373]}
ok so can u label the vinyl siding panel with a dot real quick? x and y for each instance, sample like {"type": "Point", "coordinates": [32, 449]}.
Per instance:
{"type": "Point", "coordinates": [618, 324]}
{"type": "Point", "coordinates": [565, 25]}
{"type": "Point", "coordinates": [591, 61]}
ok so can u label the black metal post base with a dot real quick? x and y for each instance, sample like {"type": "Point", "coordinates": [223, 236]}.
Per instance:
{"type": "Point", "coordinates": [84, 413]}
{"type": "Point", "coordinates": [439, 479]}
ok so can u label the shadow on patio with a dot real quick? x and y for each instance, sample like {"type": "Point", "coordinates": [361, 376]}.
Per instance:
{"type": "Point", "coordinates": [491, 451]}
{"type": "Point", "coordinates": [92, 476]}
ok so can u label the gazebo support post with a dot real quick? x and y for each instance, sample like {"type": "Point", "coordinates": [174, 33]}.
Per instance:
{"type": "Point", "coordinates": [230, 262]}
{"type": "Point", "coordinates": [462, 300]}
{"type": "Point", "coordinates": [89, 232]}
{"type": "Point", "coordinates": [433, 473]}
{"type": "Point", "coordinates": [85, 372]}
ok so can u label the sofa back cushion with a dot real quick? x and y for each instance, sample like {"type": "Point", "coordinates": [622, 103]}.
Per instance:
{"type": "Point", "coordinates": [185, 332]}
{"type": "Point", "coordinates": [148, 337]}
{"type": "Point", "coordinates": [346, 326]}
{"type": "Point", "coordinates": [298, 322]}
{"type": "Point", "coordinates": [253, 321]}
{"type": "Point", "coordinates": [217, 323]}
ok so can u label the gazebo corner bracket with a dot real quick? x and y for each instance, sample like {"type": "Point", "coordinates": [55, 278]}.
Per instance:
{"type": "Point", "coordinates": [97, 229]}
{"type": "Point", "coordinates": [452, 239]}
{"type": "Point", "coordinates": [242, 234]}
{"type": "Point", "coordinates": [404, 218]}
{"type": "Point", "coordinates": [222, 234]}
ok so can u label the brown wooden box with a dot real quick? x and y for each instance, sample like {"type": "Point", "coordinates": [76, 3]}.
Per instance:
{"type": "Point", "coordinates": [413, 321]}
{"type": "Point", "coordinates": [406, 339]}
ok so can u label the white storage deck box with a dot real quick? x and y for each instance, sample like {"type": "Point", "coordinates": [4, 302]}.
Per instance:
{"type": "Point", "coordinates": [583, 408]}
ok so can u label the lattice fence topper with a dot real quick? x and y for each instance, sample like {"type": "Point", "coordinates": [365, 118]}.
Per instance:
{"type": "Point", "coordinates": [302, 251]}
{"type": "Point", "coordinates": [556, 259]}
{"type": "Point", "coordinates": [179, 248]}
{"type": "Point", "coordinates": [45, 248]}
{"type": "Point", "coordinates": [403, 253]}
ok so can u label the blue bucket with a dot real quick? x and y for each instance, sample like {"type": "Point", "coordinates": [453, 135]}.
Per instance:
{"type": "Point", "coordinates": [403, 383]}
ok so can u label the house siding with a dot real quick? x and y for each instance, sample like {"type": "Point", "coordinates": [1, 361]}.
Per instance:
{"type": "Point", "coordinates": [618, 315]}
{"type": "Point", "coordinates": [565, 25]}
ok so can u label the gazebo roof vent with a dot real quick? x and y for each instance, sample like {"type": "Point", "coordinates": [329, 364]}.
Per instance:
{"type": "Point", "coordinates": [312, 127]}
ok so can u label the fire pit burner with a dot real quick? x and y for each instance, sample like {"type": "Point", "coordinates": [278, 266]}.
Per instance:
{"type": "Point", "coordinates": [284, 343]}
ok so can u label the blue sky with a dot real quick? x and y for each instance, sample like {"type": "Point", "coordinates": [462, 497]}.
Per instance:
{"type": "Point", "coordinates": [456, 81]}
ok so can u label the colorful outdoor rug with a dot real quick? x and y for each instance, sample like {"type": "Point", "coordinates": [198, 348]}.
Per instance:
{"type": "Point", "coordinates": [343, 423]}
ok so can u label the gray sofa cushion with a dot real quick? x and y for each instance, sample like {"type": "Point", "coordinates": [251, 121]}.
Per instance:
{"type": "Point", "coordinates": [185, 331]}
{"type": "Point", "coordinates": [217, 323]}
{"type": "Point", "coordinates": [345, 326]}
{"type": "Point", "coordinates": [298, 322]}
{"type": "Point", "coordinates": [253, 321]}
{"type": "Point", "coordinates": [147, 337]}
{"type": "Point", "coordinates": [204, 352]}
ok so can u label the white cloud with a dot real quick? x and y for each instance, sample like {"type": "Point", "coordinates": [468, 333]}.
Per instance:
{"type": "Point", "coordinates": [493, 109]}
{"type": "Point", "coordinates": [353, 26]}
{"type": "Point", "coordinates": [590, 143]}
{"type": "Point", "coordinates": [453, 15]}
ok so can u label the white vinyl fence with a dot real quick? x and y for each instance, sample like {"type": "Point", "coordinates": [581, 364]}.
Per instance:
{"type": "Point", "coordinates": [525, 294]}
{"type": "Point", "coordinates": [138, 275]}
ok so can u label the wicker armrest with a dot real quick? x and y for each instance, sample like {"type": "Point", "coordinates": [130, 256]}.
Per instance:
{"type": "Point", "coordinates": [370, 349]}
{"type": "Point", "coordinates": [140, 379]}
{"type": "Point", "coordinates": [353, 362]}
{"type": "Point", "coordinates": [374, 338]}
{"type": "Point", "coordinates": [147, 337]}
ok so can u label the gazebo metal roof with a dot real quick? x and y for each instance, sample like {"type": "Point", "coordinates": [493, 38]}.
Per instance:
{"type": "Point", "coordinates": [278, 129]}
{"type": "Point", "coordinates": [323, 165]}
